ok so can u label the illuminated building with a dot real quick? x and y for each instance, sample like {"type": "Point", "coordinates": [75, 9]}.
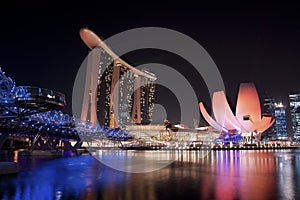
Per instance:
{"type": "Point", "coordinates": [143, 100]}
{"type": "Point", "coordinates": [295, 114]}
{"type": "Point", "coordinates": [269, 108]}
{"type": "Point", "coordinates": [276, 108]}
{"type": "Point", "coordinates": [116, 94]}
{"type": "Point", "coordinates": [133, 95]}
{"type": "Point", "coordinates": [247, 120]}
{"type": "Point", "coordinates": [281, 123]}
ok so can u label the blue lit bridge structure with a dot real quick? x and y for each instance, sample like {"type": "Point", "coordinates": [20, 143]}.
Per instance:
{"type": "Point", "coordinates": [35, 113]}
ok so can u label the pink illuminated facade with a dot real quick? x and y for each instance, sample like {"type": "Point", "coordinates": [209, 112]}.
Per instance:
{"type": "Point", "coordinates": [247, 119]}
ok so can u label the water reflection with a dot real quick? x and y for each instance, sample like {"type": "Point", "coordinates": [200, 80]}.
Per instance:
{"type": "Point", "coordinates": [221, 175]}
{"type": "Point", "coordinates": [137, 161]}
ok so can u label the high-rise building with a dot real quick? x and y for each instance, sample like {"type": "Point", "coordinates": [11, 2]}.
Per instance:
{"type": "Point", "coordinates": [146, 99]}
{"type": "Point", "coordinates": [115, 93]}
{"type": "Point", "coordinates": [269, 108]}
{"type": "Point", "coordinates": [295, 114]}
{"type": "Point", "coordinates": [104, 88]}
{"type": "Point", "coordinates": [275, 107]}
{"type": "Point", "coordinates": [123, 97]}
{"type": "Point", "coordinates": [280, 122]}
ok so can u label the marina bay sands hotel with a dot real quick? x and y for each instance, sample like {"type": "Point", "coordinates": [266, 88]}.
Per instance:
{"type": "Point", "coordinates": [115, 93]}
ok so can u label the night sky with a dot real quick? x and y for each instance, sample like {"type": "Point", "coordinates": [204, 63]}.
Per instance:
{"type": "Point", "coordinates": [40, 44]}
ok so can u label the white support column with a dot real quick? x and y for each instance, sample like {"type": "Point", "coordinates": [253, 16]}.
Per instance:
{"type": "Point", "coordinates": [89, 108]}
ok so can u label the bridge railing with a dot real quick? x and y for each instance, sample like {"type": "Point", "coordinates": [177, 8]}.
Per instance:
{"type": "Point", "coordinates": [29, 93]}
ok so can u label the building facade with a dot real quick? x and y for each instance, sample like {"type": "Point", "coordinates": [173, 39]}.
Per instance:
{"type": "Point", "coordinates": [295, 114]}
{"type": "Point", "coordinates": [123, 97]}
{"type": "Point", "coordinates": [281, 121]}
{"type": "Point", "coordinates": [114, 92]}
{"type": "Point", "coordinates": [275, 107]}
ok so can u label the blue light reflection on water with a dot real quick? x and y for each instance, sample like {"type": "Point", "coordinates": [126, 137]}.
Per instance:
{"type": "Point", "coordinates": [222, 175]}
{"type": "Point", "coordinates": [68, 177]}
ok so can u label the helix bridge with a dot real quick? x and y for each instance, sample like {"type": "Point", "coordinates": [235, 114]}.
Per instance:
{"type": "Point", "coordinates": [35, 113]}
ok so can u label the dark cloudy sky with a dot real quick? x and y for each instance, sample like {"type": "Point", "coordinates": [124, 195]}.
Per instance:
{"type": "Point", "coordinates": [40, 44]}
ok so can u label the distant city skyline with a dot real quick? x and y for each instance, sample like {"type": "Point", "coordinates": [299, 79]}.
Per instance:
{"type": "Point", "coordinates": [251, 43]}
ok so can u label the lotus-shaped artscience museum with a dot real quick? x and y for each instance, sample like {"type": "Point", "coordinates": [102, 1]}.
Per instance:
{"type": "Point", "coordinates": [248, 117]}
